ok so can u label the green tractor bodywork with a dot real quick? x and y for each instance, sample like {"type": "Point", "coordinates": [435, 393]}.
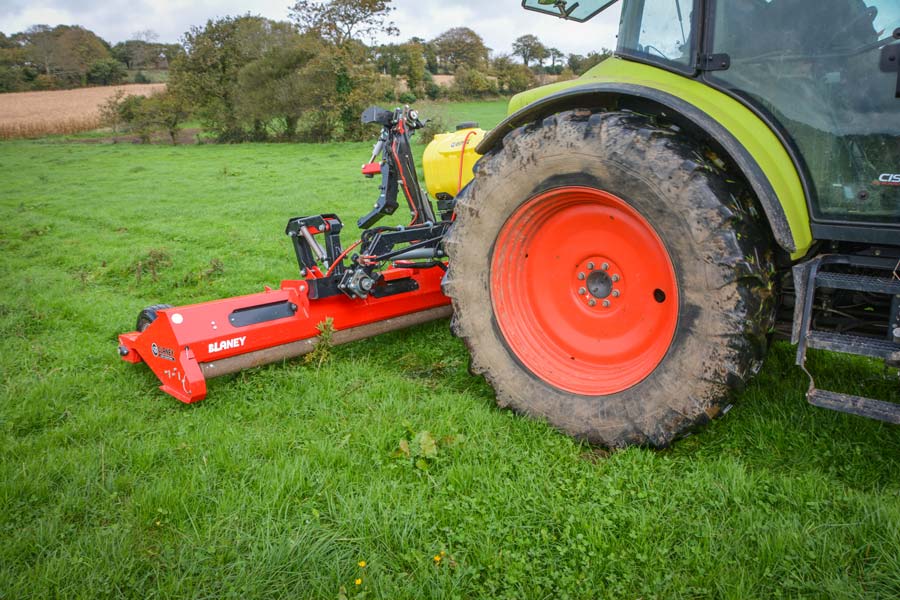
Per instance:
{"type": "Point", "coordinates": [754, 146]}
{"type": "Point", "coordinates": [808, 113]}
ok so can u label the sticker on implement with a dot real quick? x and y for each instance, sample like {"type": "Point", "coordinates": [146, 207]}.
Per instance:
{"type": "Point", "coordinates": [227, 344]}
{"type": "Point", "coordinates": [163, 353]}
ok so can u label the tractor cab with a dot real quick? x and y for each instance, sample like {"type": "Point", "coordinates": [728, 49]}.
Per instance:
{"type": "Point", "coordinates": [823, 74]}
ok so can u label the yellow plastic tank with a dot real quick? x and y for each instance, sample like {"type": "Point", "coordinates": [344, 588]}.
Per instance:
{"type": "Point", "coordinates": [448, 156]}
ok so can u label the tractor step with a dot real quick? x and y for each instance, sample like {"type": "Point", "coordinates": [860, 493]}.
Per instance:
{"type": "Point", "coordinates": [856, 405]}
{"type": "Point", "coordinates": [859, 283]}
{"type": "Point", "coordinates": [812, 276]}
{"type": "Point", "coordinates": [852, 344]}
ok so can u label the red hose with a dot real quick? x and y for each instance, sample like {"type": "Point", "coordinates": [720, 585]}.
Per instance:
{"type": "Point", "coordinates": [462, 160]}
{"type": "Point", "coordinates": [409, 197]}
{"type": "Point", "coordinates": [338, 260]}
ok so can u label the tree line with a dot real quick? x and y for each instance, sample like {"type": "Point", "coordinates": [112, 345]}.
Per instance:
{"type": "Point", "coordinates": [249, 78]}
{"type": "Point", "coordinates": [70, 56]}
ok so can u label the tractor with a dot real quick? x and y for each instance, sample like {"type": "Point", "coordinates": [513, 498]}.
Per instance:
{"type": "Point", "coordinates": [629, 242]}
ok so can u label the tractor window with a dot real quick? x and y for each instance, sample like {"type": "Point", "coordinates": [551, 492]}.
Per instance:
{"type": "Point", "coordinates": [659, 30]}
{"type": "Point", "coordinates": [815, 66]}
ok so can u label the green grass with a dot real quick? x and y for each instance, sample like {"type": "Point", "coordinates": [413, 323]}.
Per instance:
{"type": "Point", "coordinates": [153, 75]}
{"type": "Point", "coordinates": [487, 113]}
{"type": "Point", "coordinates": [287, 476]}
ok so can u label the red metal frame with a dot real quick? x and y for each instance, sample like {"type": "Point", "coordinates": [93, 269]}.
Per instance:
{"type": "Point", "coordinates": [181, 339]}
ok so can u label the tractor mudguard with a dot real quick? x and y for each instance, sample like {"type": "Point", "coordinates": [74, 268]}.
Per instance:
{"type": "Point", "coordinates": [748, 141]}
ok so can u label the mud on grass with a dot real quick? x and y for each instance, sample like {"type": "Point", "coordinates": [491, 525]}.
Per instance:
{"type": "Point", "coordinates": [288, 476]}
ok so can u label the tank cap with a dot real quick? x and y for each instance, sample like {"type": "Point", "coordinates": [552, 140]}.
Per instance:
{"type": "Point", "coordinates": [467, 125]}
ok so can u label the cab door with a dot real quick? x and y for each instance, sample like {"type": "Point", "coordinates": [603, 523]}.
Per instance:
{"type": "Point", "coordinates": [820, 71]}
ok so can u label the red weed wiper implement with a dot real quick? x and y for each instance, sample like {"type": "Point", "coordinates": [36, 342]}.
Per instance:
{"type": "Point", "coordinates": [393, 282]}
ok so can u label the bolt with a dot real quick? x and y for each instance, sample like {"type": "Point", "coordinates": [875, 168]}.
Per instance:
{"type": "Point", "coordinates": [606, 304]}
{"type": "Point", "coordinates": [897, 334]}
{"type": "Point", "coordinates": [592, 302]}
{"type": "Point", "coordinates": [606, 266]}
{"type": "Point", "coordinates": [123, 351]}
{"type": "Point", "coordinates": [581, 276]}
{"type": "Point", "coordinates": [615, 277]}
{"type": "Point", "coordinates": [590, 266]}
{"type": "Point", "coordinates": [582, 291]}
{"type": "Point", "coordinates": [615, 293]}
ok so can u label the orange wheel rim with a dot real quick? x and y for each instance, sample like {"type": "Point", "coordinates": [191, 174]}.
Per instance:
{"type": "Point", "coordinates": [584, 291]}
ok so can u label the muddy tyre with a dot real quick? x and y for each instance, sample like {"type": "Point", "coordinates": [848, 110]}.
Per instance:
{"type": "Point", "coordinates": [608, 277]}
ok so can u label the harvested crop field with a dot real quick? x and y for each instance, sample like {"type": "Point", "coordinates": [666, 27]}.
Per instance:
{"type": "Point", "coordinates": [35, 114]}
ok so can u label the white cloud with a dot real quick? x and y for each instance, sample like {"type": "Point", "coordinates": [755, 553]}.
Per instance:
{"type": "Point", "coordinates": [499, 23]}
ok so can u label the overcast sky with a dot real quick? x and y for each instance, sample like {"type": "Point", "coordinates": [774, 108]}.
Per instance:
{"type": "Point", "coordinates": [499, 22]}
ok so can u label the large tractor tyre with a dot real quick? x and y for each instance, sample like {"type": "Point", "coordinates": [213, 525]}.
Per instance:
{"type": "Point", "coordinates": [609, 277]}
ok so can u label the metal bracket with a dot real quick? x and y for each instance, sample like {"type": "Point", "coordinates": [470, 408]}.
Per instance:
{"type": "Point", "coordinates": [715, 62]}
{"type": "Point", "coordinates": [301, 231]}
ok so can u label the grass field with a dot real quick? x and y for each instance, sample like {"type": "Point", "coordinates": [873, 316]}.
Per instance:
{"type": "Point", "coordinates": [288, 477]}
{"type": "Point", "coordinates": [37, 114]}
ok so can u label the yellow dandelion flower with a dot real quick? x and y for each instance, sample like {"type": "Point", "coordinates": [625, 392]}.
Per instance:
{"type": "Point", "coordinates": [362, 564]}
{"type": "Point", "coordinates": [358, 581]}
{"type": "Point", "coordinates": [437, 558]}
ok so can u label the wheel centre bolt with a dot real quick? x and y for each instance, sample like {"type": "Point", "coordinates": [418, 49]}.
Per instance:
{"type": "Point", "coordinates": [599, 284]}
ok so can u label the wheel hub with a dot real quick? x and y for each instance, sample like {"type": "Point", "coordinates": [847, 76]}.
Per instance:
{"type": "Point", "coordinates": [598, 282]}
{"type": "Point", "coordinates": [600, 285]}
{"type": "Point", "coordinates": [613, 324]}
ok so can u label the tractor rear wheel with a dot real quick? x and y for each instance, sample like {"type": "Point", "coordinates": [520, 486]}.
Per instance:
{"type": "Point", "coordinates": [608, 277]}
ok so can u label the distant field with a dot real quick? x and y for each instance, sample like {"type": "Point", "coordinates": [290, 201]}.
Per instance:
{"type": "Point", "coordinates": [36, 114]}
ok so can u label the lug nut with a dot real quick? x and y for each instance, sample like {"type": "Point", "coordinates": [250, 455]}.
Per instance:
{"type": "Point", "coordinates": [590, 266]}
{"type": "Point", "coordinates": [615, 278]}
{"type": "Point", "coordinates": [592, 302]}
{"type": "Point", "coordinates": [606, 304]}
{"type": "Point", "coordinates": [581, 276]}
{"type": "Point", "coordinates": [606, 266]}
{"type": "Point", "coordinates": [615, 293]}
{"type": "Point", "coordinates": [582, 291]}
